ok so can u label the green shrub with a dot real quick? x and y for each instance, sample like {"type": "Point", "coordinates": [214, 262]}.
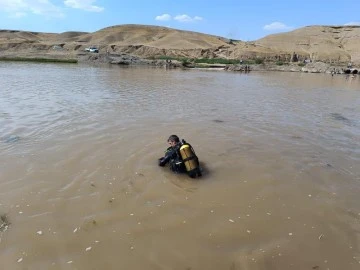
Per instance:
{"type": "Point", "coordinates": [248, 62]}
{"type": "Point", "coordinates": [164, 57]}
{"type": "Point", "coordinates": [259, 61]}
{"type": "Point", "coordinates": [216, 61]}
{"type": "Point", "coordinates": [301, 64]}
{"type": "Point", "coordinates": [185, 62]}
{"type": "Point", "coordinates": [279, 63]}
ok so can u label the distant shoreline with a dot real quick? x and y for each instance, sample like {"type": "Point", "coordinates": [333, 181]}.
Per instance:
{"type": "Point", "coordinates": [38, 60]}
{"type": "Point", "coordinates": [130, 60]}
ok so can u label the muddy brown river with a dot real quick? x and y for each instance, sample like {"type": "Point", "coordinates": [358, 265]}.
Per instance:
{"type": "Point", "coordinates": [80, 187]}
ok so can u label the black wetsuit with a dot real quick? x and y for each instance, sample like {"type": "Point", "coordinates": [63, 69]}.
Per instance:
{"type": "Point", "coordinates": [173, 157]}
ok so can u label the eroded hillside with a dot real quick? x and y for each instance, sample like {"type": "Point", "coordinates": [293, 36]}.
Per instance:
{"type": "Point", "coordinates": [318, 43]}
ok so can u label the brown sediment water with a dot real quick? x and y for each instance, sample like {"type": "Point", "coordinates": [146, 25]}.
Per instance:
{"type": "Point", "coordinates": [81, 189]}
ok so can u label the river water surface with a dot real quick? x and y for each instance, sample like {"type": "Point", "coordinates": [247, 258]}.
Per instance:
{"type": "Point", "coordinates": [80, 185]}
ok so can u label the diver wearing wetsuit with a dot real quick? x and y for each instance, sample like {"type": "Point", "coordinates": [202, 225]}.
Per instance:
{"type": "Point", "coordinates": [172, 156]}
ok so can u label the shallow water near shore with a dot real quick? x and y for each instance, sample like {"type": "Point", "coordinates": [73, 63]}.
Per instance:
{"type": "Point", "coordinates": [81, 189]}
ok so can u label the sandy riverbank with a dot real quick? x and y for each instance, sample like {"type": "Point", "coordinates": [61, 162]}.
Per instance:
{"type": "Point", "coordinates": [133, 60]}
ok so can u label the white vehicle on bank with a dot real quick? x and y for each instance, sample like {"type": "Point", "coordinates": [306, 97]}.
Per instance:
{"type": "Point", "coordinates": [92, 49]}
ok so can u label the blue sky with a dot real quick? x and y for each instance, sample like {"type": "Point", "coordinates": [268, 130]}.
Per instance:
{"type": "Point", "coordinates": [237, 19]}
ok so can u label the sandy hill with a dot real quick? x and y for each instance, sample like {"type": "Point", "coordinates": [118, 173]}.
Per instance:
{"type": "Point", "coordinates": [325, 43]}
{"type": "Point", "coordinates": [69, 36]}
{"type": "Point", "coordinates": [22, 36]}
{"type": "Point", "coordinates": [155, 36]}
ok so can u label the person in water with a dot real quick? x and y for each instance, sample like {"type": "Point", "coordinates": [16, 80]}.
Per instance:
{"type": "Point", "coordinates": [181, 157]}
{"type": "Point", "coordinates": [172, 155]}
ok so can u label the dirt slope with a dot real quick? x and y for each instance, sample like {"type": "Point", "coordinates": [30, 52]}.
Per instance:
{"type": "Point", "coordinates": [324, 43]}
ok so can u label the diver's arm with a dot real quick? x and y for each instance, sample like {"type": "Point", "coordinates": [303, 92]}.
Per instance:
{"type": "Point", "coordinates": [164, 160]}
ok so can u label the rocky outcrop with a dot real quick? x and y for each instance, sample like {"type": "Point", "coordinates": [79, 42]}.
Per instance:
{"type": "Point", "coordinates": [317, 67]}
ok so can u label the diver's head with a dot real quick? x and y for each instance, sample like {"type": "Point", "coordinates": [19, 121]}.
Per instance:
{"type": "Point", "coordinates": [173, 140]}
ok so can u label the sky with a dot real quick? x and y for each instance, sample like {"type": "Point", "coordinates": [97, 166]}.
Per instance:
{"type": "Point", "coordinates": [236, 19]}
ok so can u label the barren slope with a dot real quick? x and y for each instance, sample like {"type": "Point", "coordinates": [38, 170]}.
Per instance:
{"type": "Point", "coordinates": [155, 36]}
{"type": "Point", "coordinates": [324, 43]}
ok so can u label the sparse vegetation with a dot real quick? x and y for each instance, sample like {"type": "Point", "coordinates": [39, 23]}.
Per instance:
{"type": "Point", "coordinates": [248, 62]}
{"type": "Point", "coordinates": [164, 57]}
{"type": "Point", "coordinates": [301, 64]}
{"type": "Point", "coordinates": [204, 60]}
{"type": "Point", "coordinates": [39, 60]}
{"type": "Point", "coordinates": [186, 62]}
{"type": "Point", "coordinates": [217, 61]}
{"type": "Point", "coordinates": [259, 61]}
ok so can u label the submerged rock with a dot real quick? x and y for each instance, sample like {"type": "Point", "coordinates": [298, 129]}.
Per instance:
{"type": "Point", "coordinates": [4, 223]}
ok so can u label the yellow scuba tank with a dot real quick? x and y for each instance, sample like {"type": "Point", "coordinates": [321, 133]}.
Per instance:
{"type": "Point", "coordinates": [190, 159]}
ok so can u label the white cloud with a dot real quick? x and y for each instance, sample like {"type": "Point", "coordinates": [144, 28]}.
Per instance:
{"type": "Point", "coordinates": [187, 18]}
{"type": "Point", "coordinates": [17, 15]}
{"type": "Point", "coordinates": [353, 23]}
{"type": "Point", "coordinates": [83, 4]}
{"type": "Point", "coordinates": [20, 8]}
{"type": "Point", "coordinates": [11, 5]}
{"type": "Point", "coordinates": [277, 26]}
{"type": "Point", "coordinates": [164, 17]}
